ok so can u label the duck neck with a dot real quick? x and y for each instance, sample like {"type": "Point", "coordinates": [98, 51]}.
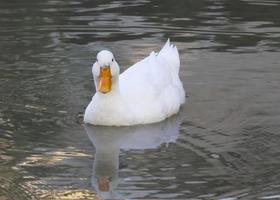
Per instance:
{"type": "Point", "coordinates": [115, 85]}
{"type": "Point", "coordinates": [115, 104]}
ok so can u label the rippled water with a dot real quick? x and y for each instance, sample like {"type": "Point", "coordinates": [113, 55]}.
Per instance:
{"type": "Point", "coordinates": [223, 145]}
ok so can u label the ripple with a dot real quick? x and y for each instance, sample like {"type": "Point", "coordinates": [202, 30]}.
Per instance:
{"type": "Point", "coordinates": [9, 189]}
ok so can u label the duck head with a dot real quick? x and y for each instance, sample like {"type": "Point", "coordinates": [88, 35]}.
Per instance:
{"type": "Point", "coordinates": [105, 71]}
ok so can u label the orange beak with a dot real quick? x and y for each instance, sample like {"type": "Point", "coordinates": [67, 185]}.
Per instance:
{"type": "Point", "coordinates": [105, 80]}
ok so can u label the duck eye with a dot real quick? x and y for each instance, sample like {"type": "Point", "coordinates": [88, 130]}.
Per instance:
{"type": "Point", "coordinates": [112, 59]}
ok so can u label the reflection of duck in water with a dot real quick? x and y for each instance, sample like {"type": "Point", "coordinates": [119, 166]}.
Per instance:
{"type": "Point", "coordinates": [109, 140]}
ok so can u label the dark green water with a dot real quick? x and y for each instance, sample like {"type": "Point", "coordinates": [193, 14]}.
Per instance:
{"type": "Point", "coordinates": [224, 145]}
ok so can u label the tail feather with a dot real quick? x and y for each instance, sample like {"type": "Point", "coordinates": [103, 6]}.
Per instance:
{"type": "Point", "coordinates": [170, 53]}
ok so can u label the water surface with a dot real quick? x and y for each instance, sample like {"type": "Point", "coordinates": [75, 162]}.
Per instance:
{"type": "Point", "coordinates": [226, 144]}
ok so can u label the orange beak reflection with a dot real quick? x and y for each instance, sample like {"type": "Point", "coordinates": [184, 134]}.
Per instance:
{"type": "Point", "coordinates": [105, 80]}
{"type": "Point", "coordinates": [104, 184]}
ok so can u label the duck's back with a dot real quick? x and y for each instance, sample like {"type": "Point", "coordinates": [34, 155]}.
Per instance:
{"type": "Point", "coordinates": [152, 87]}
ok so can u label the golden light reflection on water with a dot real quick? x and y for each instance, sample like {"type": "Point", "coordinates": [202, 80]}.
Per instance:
{"type": "Point", "coordinates": [51, 158]}
{"type": "Point", "coordinates": [73, 195]}
{"type": "Point", "coordinates": [40, 188]}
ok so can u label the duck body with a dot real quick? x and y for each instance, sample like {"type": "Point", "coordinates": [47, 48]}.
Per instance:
{"type": "Point", "coordinates": [147, 92]}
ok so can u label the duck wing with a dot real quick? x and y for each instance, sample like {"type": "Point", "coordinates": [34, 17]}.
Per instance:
{"type": "Point", "coordinates": [147, 79]}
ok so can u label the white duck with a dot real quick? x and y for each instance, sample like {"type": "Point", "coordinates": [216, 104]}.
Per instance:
{"type": "Point", "coordinates": [147, 92]}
